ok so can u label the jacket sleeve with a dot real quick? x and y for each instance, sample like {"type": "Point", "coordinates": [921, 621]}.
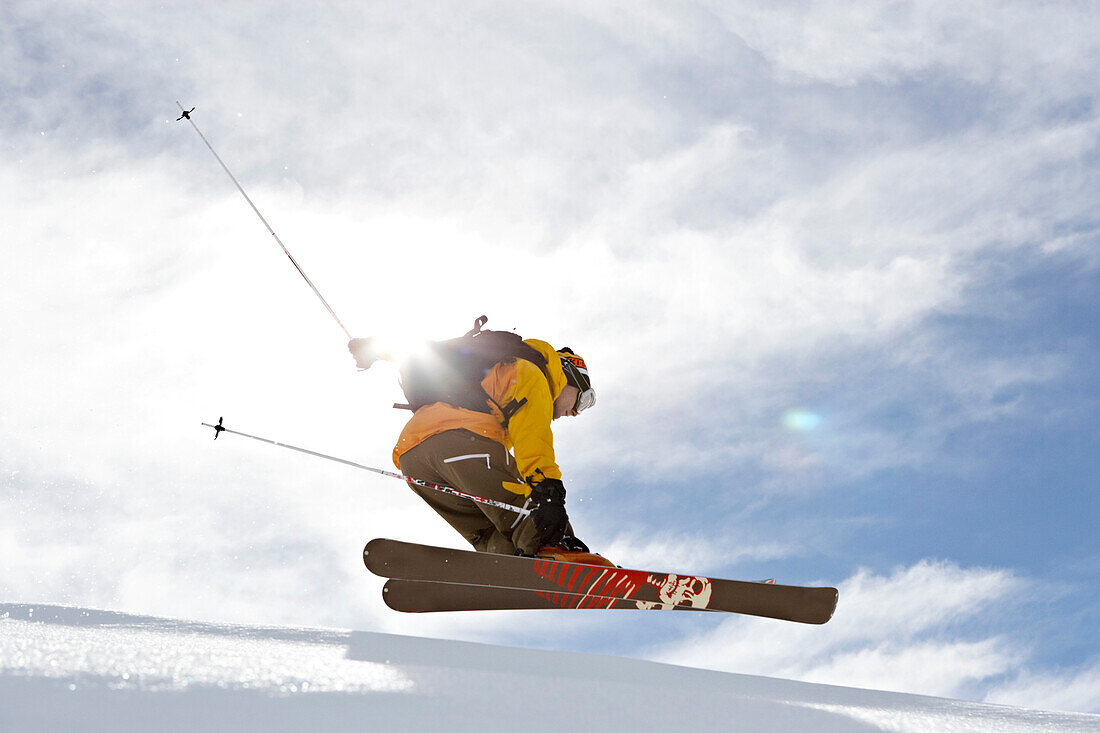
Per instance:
{"type": "Point", "coordinates": [529, 427]}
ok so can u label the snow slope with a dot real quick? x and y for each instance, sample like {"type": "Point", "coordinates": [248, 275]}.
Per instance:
{"type": "Point", "coordinates": [66, 668]}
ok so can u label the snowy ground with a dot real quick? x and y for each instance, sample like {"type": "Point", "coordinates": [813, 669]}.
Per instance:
{"type": "Point", "coordinates": [67, 668]}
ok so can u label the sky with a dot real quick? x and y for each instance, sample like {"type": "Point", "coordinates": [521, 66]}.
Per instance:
{"type": "Point", "coordinates": [832, 266]}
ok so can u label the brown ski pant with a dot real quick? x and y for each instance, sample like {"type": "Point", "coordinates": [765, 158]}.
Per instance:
{"type": "Point", "coordinates": [479, 466]}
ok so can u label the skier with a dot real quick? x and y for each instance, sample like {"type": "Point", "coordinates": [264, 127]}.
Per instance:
{"type": "Point", "coordinates": [468, 447]}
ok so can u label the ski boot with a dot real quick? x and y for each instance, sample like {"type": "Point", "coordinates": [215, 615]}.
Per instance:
{"type": "Point", "coordinates": [570, 549]}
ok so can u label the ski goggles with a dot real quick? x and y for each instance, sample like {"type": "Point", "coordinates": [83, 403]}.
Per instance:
{"type": "Point", "coordinates": [585, 400]}
{"type": "Point", "coordinates": [576, 374]}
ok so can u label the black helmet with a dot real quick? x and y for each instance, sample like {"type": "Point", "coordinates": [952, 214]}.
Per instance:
{"type": "Point", "coordinates": [576, 374]}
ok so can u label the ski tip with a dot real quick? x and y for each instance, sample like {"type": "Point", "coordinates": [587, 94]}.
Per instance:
{"type": "Point", "coordinates": [831, 607]}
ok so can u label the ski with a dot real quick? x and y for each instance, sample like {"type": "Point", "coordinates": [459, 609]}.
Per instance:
{"type": "Point", "coordinates": [414, 562]}
{"type": "Point", "coordinates": [425, 596]}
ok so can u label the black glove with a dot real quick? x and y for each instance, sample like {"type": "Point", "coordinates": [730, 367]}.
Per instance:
{"type": "Point", "coordinates": [548, 510]}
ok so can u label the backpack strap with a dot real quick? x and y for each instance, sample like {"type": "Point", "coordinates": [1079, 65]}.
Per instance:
{"type": "Point", "coordinates": [510, 409]}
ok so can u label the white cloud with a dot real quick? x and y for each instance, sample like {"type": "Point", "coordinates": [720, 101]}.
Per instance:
{"type": "Point", "coordinates": [1073, 689]}
{"type": "Point", "coordinates": [945, 669]}
{"type": "Point", "coordinates": [847, 43]}
{"type": "Point", "coordinates": [669, 550]}
{"type": "Point", "coordinates": [860, 251]}
{"type": "Point", "coordinates": [901, 632]}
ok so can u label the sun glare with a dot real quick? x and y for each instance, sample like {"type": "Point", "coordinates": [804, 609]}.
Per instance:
{"type": "Point", "coordinates": [396, 347]}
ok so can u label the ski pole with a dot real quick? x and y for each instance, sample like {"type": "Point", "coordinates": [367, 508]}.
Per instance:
{"type": "Point", "coordinates": [187, 116]}
{"type": "Point", "coordinates": [219, 429]}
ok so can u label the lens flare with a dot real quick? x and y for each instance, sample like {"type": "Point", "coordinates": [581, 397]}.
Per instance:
{"type": "Point", "coordinates": [801, 420]}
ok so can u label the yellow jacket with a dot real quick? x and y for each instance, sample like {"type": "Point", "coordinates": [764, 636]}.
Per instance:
{"type": "Point", "coordinates": [527, 434]}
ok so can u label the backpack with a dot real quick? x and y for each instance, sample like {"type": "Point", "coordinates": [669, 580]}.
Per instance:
{"type": "Point", "coordinates": [451, 371]}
